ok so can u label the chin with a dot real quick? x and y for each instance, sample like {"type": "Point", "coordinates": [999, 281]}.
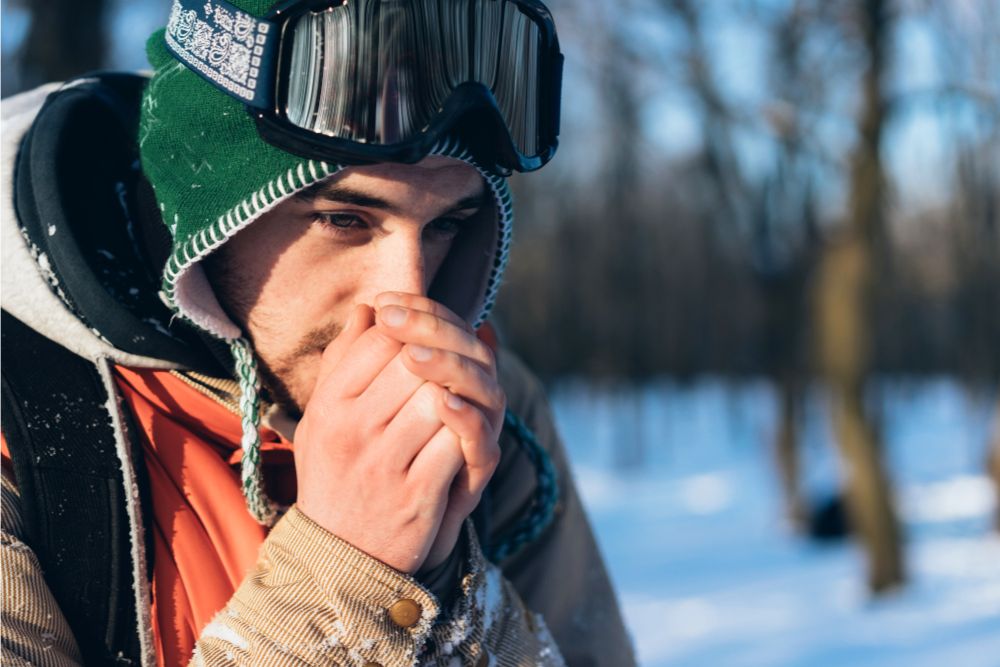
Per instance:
{"type": "Point", "coordinates": [287, 388]}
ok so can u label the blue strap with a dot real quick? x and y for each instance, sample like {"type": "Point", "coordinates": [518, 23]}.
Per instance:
{"type": "Point", "coordinates": [232, 50]}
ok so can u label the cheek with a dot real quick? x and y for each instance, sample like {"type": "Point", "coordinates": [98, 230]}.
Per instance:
{"type": "Point", "coordinates": [306, 290]}
{"type": "Point", "coordinates": [301, 297]}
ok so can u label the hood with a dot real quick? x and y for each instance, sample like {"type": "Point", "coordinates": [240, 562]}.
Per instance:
{"type": "Point", "coordinates": [74, 266]}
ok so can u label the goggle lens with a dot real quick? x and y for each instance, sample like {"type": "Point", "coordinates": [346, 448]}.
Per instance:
{"type": "Point", "coordinates": [378, 72]}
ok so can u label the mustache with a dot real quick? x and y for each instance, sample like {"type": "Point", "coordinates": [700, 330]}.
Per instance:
{"type": "Point", "coordinates": [317, 340]}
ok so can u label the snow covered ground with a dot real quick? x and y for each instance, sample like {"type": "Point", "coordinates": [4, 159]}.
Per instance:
{"type": "Point", "coordinates": [682, 492]}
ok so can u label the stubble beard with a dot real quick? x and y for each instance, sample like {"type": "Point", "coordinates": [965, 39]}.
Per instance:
{"type": "Point", "coordinates": [278, 376]}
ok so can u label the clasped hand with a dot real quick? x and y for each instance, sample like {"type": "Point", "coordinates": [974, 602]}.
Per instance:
{"type": "Point", "coordinates": [399, 437]}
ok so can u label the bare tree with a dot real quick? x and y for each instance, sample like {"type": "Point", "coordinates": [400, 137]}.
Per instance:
{"type": "Point", "coordinates": [845, 313]}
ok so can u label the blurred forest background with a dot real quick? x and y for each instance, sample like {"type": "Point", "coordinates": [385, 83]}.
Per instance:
{"type": "Point", "coordinates": [801, 191]}
{"type": "Point", "coordinates": [717, 158]}
{"type": "Point", "coordinates": [723, 165]}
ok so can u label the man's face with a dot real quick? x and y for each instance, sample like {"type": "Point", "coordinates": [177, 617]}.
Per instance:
{"type": "Point", "coordinates": [291, 278]}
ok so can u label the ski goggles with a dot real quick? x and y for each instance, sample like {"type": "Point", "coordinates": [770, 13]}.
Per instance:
{"type": "Point", "coordinates": [363, 81]}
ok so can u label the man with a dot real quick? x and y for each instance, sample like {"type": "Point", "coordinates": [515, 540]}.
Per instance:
{"type": "Point", "coordinates": [247, 415]}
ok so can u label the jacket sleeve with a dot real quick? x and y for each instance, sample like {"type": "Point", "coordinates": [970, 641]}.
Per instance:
{"type": "Point", "coordinates": [316, 600]}
{"type": "Point", "coordinates": [561, 576]}
{"type": "Point", "coordinates": [34, 631]}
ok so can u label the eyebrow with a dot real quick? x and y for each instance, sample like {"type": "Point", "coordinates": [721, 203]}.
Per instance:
{"type": "Point", "coordinates": [346, 195]}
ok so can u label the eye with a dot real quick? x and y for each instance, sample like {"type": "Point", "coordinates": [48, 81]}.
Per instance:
{"type": "Point", "coordinates": [445, 228]}
{"type": "Point", "coordinates": [340, 223]}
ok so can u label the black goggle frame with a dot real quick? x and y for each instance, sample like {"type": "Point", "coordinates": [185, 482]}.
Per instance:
{"type": "Point", "coordinates": [470, 112]}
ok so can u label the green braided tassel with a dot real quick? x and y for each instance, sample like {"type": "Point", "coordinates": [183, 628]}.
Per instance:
{"type": "Point", "coordinates": [259, 505]}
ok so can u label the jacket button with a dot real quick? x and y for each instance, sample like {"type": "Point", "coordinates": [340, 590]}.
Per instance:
{"type": "Point", "coordinates": [405, 613]}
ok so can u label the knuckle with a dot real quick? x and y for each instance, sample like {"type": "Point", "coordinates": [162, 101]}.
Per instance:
{"type": "Point", "coordinates": [461, 363]}
{"type": "Point", "coordinates": [369, 432]}
{"type": "Point", "coordinates": [498, 397]}
{"type": "Point", "coordinates": [438, 309]}
{"type": "Point", "coordinates": [493, 455]}
{"type": "Point", "coordinates": [405, 299]}
{"type": "Point", "coordinates": [428, 391]}
{"type": "Point", "coordinates": [485, 353]}
{"type": "Point", "coordinates": [441, 311]}
{"type": "Point", "coordinates": [381, 339]}
{"type": "Point", "coordinates": [432, 322]}
{"type": "Point", "coordinates": [483, 428]}
{"type": "Point", "coordinates": [425, 400]}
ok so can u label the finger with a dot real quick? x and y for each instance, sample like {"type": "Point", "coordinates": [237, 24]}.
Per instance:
{"type": "Point", "coordinates": [421, 303]}
{"type": "Point", "coordinates": [420, 328]}
{"type": "Point", "coordinates": [389, 391]}
{"type": "Point", "coordinates": [361, 319]}
{"type": "Point", "coordinates": [458, 374]}
{"type": "Point", "coordinates": [477, 439]}
{"type": "Point", "coordinates": [360, 363]}
{"type": "Point", "coordinates": [436, 464]}
{"type": "Point", "coordinates": [411, 428]}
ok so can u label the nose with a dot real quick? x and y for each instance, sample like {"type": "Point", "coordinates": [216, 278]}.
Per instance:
{"type": "Point", "coordinates": [401, 267]}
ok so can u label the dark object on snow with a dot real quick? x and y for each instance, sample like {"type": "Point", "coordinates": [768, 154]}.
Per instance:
{"type": "Point", "coordinates": [828, 520]}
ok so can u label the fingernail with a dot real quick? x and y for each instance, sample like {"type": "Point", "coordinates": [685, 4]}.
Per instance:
{"type": "Point", "coordinates": [393, 316]}
{"type": "Point", "coordinates": [387, 298]}
{"type": "Point", "coordinates": [453, 401]}
{"type": "Point", "coordinates": [421, 353]}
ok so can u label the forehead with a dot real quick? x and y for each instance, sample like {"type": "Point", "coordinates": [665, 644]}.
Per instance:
{"type": "Point", "coordinates": [434, 181]}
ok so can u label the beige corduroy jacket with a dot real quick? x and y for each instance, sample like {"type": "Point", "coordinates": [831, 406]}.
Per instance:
{"type": "Point", "coordinates": [316, 600]}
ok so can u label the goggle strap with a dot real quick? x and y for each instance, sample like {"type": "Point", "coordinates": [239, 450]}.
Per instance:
{"type": "Point", "coordinates": [555, 110]}
{"type": "Point", "coordinates": [234, 51]}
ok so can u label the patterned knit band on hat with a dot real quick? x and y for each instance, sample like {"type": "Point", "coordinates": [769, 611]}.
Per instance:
{"type": "Point", "coordinates": [213, 176]}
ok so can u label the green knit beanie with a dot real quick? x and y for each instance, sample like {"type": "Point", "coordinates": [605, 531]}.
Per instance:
{"type": "Point", "coordinates": [210, 170]}
{"type": "Point", "coordinates": [213, 175]}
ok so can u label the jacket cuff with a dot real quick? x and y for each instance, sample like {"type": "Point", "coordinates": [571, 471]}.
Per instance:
{"type": "Point", "coordinates": [488, 623]}
{"type": "Point", "coordinates": [381, 614]}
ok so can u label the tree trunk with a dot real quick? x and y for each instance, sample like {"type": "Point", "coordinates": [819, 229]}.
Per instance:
{"type": "Point", "coordinates": [845, 327]}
